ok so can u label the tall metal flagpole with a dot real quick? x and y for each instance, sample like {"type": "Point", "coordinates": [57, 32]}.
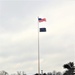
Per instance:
{"type": "Point", "coordinates": [38, 52]}
{"type": "Point", "coordinates": [44, 30]}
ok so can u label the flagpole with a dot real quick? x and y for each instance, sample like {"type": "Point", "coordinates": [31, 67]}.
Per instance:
{"type": "Point", "coordinates": [38, 51]}
{"type": "Point", "coordinates": [41, 30]}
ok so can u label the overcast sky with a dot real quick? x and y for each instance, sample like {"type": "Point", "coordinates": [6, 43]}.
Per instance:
{"type": "Point", "coordinates": [19, 35]}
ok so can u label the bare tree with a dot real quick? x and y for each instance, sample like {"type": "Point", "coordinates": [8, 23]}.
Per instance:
{"type": "Point", "coordinates": [3, 72]}
{"type": "Point", "coordinates": [58, 73]}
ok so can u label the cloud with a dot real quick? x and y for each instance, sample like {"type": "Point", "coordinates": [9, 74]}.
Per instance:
{"type": "Point", "coordinates": [19, 36]}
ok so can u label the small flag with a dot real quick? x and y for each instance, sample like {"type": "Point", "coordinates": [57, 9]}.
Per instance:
{"type": "Point", "coordinates": [42, 29]}
{"type": "Point", "coordinates": [42, 19]}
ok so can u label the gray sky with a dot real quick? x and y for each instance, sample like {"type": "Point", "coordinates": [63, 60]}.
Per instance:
{"type": "Point", "coordinates": [19, 35]}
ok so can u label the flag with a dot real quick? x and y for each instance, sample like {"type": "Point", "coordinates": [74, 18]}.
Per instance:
{"type": "Point", "coordinates": [42, 19]}
{"type": "Point", "coordinates": [42, 29]}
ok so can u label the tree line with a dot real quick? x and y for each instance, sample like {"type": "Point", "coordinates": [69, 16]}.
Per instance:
{"type": "Point", "coordinates": [70, 70]}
